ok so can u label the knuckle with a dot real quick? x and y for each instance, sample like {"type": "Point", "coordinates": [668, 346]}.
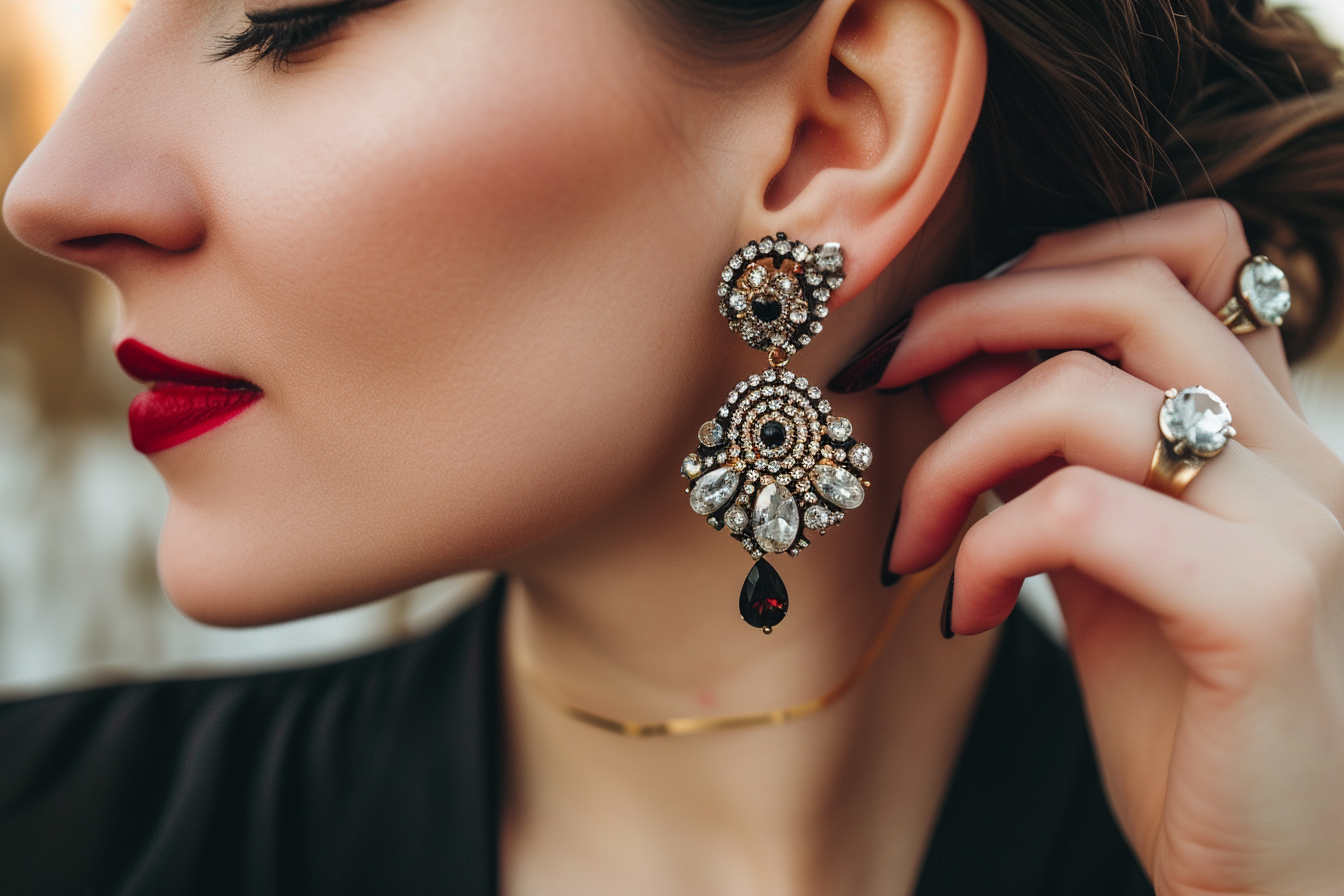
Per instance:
{"type": "Point", "coordinates": [1072, 372]}
{"type": "Point", "coordinates": [1288, 610]}
{"type": "Point", "coordinates": [1149, 274]}
{"type": "Point", "coordinates": [1220, 231]}
{"type": "Point", "coordinates": [1072, 498]}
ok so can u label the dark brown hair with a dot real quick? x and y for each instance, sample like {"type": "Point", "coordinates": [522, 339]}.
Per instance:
{"type": "Point", "coordinates": [1095, 108]}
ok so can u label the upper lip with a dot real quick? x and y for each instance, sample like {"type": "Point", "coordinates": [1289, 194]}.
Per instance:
{"type": "Point", "coordinates": [150, 366]}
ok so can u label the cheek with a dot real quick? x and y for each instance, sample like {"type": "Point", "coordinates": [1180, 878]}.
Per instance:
{"type": "Point", "coordinates": [479, 298]}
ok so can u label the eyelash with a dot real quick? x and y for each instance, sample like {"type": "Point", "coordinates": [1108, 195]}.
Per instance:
{"type": "Point", "coordinates": [275, 35]}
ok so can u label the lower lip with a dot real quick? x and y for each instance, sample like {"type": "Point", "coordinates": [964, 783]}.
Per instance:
{"type": "Point", "coordinates": [172, 413]}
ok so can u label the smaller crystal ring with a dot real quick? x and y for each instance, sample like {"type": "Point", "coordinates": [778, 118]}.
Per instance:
{"type": "Point", "coordinates": [1195, 426]}
{"type": "Point", "coordinates": [1261, 298]}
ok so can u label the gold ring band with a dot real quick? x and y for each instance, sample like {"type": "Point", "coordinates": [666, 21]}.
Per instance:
{"type": "Point", "coordinates": [1169, 472]}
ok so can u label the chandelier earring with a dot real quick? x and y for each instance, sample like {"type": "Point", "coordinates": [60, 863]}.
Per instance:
{"type": "Point", "coordinates": [774, 463]}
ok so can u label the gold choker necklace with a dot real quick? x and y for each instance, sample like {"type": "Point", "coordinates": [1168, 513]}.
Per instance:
{"type": "Point", "coordinates": [906, 590]}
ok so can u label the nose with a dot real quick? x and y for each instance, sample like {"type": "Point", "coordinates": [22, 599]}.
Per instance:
{"type": "Point", "coordinates": [109, 183]}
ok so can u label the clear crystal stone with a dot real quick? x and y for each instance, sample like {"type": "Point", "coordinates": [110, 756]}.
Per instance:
{"type": "Point", "coordinates": [755, 276]}
{"type": "Point", "coordinates": [749, 252]}
{"type": "Point", "coordinates": [737, 301]}
{"type": "Point", "coordinates": [839, 428]}
{"type": "Point", "coordinates": [768, 376]}
{"type": "Point", "coordinates": [767, 244]}
{"type": "Point", "coordinates": [835, 281]}
{"type": "Point", "coordinates": [821, 311]}
{"type": "Point", "coordinates": [782, 247]}
{"type": "Point", "coordinates": [798, 317]}
{"type": "Point", "coordinates": [802, 382]}
{"type": "Point", "coordinates": [839, 486]}
{"type": "Point", "coordinates": [804, 339]}
{"type": "Point", "coordinates": [824, 406]}
{"type": "Point", "coordinates": [860, 456]}
{"type": "Point", "coordinates": [711, 433]}
{"type": "Point", "coordinates": [1265, 287]}
{"type": "Point", "coordinates": [727, 275]}
{"type": "Point", "coordinates": [830, 257]}
{"type": "Point", "coordinates": [774, 519]}
{"type": "Point", "coordinates": [691, 466]}
{"type": "Point", "coordinates": [800, 252]}
{"type": "Point", "coordinates": [736, 518]}
{"type": "Point", "coordinates": [754, 379]}
{"type": "Point", "coordinates": [816, 517]}
{"type": "Point", "coordinates": [735, 262]}
{"type": "Point", "coordinates": [822, 294]}
{"type": "Point", "coordinates": [723, 290]}
{"type": "Point", "coordinates": [1196, 419]}
{"type": "Point", "coordinates": [786, 376]}
{"type": "Point", "coordinates": [712, 490]}
{"type": "Point", "coordinates": [787, 285]}
{"type": "Point", "coordinates": [814, 393]}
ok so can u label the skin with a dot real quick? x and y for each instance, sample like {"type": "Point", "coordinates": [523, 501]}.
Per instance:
{"type": "Point", "coordinates": [467, 250]}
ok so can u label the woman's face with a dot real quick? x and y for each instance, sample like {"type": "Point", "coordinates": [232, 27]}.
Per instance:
{"type": "Point", "coordinates": [461, 247]}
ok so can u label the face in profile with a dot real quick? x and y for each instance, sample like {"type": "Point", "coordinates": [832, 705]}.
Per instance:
{"type": "Point", "coordinates": [439, 273]}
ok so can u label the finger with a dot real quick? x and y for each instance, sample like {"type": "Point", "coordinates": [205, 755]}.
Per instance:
{"type": "Point", "coordinates": [1074, 406]}
{"type": "Point", "coordinates": [1217, 588]}
{"type": "Point", "coordinates": [954, 392]}
{"type": "Point", "coordinates": [1132, 310]}
{"type": "Point", "coordinates": [1202, 242]}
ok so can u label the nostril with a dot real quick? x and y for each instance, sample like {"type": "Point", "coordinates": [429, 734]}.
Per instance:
{"type": "Point", "coordinates": [101, 241]}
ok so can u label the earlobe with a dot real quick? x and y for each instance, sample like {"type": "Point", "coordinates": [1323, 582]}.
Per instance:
{"type": "Point", "coordinates": [889, 97]}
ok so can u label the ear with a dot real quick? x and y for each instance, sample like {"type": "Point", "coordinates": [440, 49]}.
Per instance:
{"type": "Point", "coordinates": [880, 101]}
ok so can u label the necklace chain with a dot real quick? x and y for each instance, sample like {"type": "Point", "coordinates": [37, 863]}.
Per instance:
{"type": "Point", "coordinates": [906, 590]}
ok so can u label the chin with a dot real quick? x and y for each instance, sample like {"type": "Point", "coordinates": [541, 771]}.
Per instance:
{"type": "Point", "coordinates": [236, 576]}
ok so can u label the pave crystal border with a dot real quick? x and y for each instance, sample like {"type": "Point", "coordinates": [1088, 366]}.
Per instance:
{"type": "Point", "coordinates": [813, 439]}
{"type": "Point", "coordinates": [774, 291]}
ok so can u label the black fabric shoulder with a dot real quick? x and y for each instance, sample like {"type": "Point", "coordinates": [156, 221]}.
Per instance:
{"type": "Point", "coordinates": [378, 774]}
{"type": "Point", "coordinates": [1025, 813]}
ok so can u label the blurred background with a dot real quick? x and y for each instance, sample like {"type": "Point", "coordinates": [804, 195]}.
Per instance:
{"type": "Point", "coordinates": [80, 510]}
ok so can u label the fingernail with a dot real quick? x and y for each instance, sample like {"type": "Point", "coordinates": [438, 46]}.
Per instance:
{"type": "Point", "coordinates": [890, 578]}
{"type": "Point", "coordinates": [945, 622]}
{"type": "Point", "coordinates": [867, 367]}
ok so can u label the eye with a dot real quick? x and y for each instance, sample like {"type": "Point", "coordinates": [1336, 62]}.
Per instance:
{"type": "Point", "coordinates": [278, 33]}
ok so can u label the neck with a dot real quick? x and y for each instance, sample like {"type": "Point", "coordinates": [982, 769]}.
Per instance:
{"type": "Point", "coordinates": [634, 616]}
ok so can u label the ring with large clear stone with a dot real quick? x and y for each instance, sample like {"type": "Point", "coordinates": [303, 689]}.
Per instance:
{"type": "Point", "coordinates": [1261, 298]}
{"type": "Point", "coordinates": [1195, 425]}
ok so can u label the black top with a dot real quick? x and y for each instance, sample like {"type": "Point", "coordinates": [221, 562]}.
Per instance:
{"type": "Point", "coordinates": [381, 774]}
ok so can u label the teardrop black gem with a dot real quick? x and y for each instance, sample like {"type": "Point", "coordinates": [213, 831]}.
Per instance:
{"type": "Point", "coordinates": [764, 600]}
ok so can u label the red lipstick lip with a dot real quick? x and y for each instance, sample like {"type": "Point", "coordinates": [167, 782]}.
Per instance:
{"type": "Point", "coordinates": [149, 366]}
{"type": "Point", "coordinates": [183, 402]}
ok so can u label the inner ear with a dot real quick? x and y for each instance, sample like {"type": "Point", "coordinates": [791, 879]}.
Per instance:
{"type": "Point", "coordinates": [844, 129]}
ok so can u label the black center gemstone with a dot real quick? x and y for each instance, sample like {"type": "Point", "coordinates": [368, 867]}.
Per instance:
{"type": "Point", "coordinates": [773, 434]}
{"type": "Point", "coordinates": [764, 599]}
{"type": "Point", "coordinates": [765, 311]}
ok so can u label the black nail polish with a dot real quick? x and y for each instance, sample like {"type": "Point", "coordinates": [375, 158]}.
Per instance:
{"type": "Point", "coordinates": [945, 622]}
{"type": "Point", "coordinates": [867, 367]}
{"type": "Point", "coordinates": [890, 578]}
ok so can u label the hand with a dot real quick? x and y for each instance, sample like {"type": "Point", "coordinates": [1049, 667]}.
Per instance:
{"type": "Point", "coordinates": [1207, 632]}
